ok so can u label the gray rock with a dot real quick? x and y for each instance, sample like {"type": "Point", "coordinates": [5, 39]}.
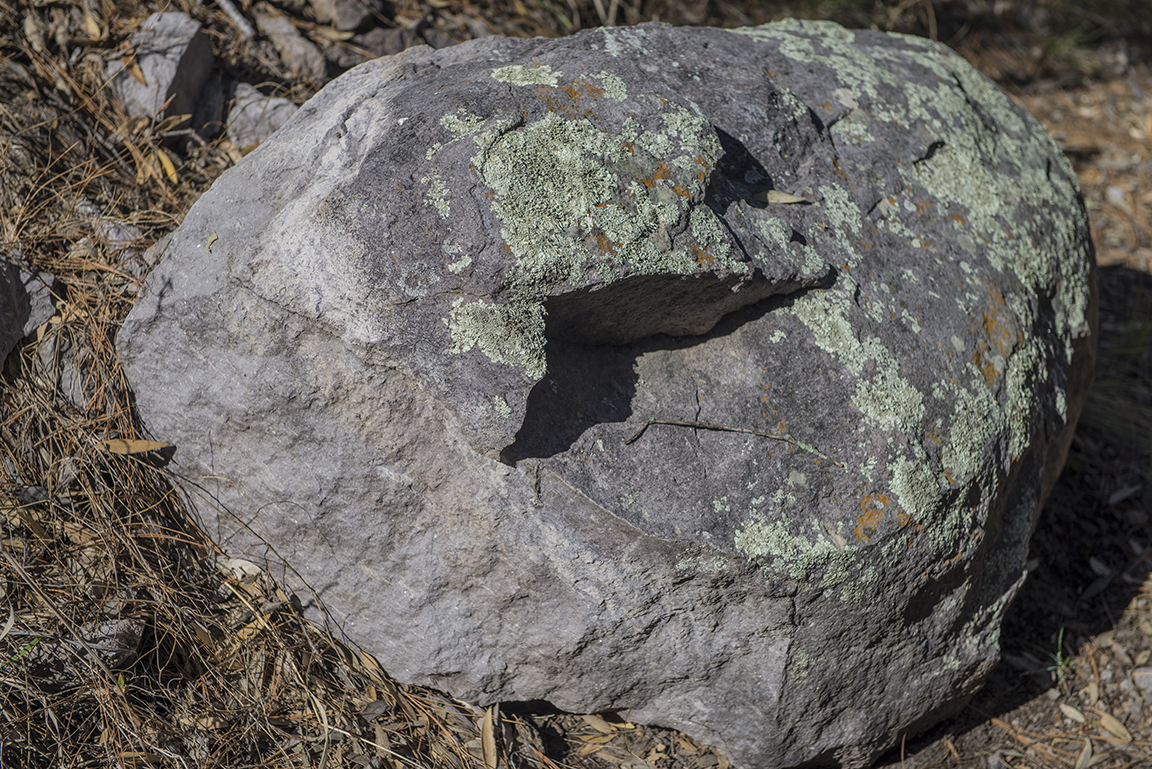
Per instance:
{"type": "Point", "coordinates": [253, 117]}
{"type": "Point", "coordinates": [347, 14]}
{"type": "Point", "coordinates": [301, 57]}
{"type": "Point", "coordinates": [442, 302]}
{"type": "Point", "coordinates": [25, 303]}
{"type": "Point", "coordinates": [175, 58]}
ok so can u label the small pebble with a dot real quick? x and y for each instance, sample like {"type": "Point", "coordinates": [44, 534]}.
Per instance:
{"type": "Point", "coordinates": [1142, 677]}
{"type": "Point", "coordinates": [1115, 196]}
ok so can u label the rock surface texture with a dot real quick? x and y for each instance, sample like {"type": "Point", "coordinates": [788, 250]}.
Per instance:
{"type": "Point", "coordinates": [408, 339]}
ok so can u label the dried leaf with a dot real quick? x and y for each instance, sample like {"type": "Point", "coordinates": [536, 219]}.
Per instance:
{"type": "Point", "coordinates": [1085, 755]}
{"type": "Point", "coordinates": [1111, 724]}
{"type": "Point", "coordinates": [143, 165]}
{"type": "Point", "coordinates": [591, 747]}
{"type": "Point", "coordinates": [778, 197]}
{"type": "Point", "coordinates": [488, 738]}
{"type": "Point", "coordinates": [598, 723]}
{"type": "Point", "coordinates": [1072, 713]}
{"type": "Point", "coordinates": [134, 446]}
{"type": "Point", "coordinates": [33, 33]}
{"type": "Point", "coordinates": [212, 239]}
{"type": "Point", "coordinates": [599, 739]}
{"type": "Point", "coordinates": [203, 636]}
{"type": "Point", "coordinates": [327, 33]}
{"type": "Point", "coordinates": [373, 669]}
{"type": "Point", "coordinates": [129, 62]}
{"type": "Point", "coordinates": [166, 162]}
{"type": "Point", "coordinates": [93, 28]}
{"type": "Point", "coordinates": [8, 625]}
{"type": "Point", "coordinates": [170, 123]}
{"type": "Point", "coordinates": [951, 748]}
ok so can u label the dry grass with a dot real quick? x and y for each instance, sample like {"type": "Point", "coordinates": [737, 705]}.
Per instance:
{"type": "Point", "coordinates": [127, 638]}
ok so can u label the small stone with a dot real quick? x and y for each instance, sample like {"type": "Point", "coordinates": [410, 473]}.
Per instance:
{"type": "Point", "coordinates": [300, 56]}
{"type": "Point", "coordinates": [174, 57]}
{"type": "Point", "coordinates": [1142, 677]}
{"type": "Point", "coordinates": [25, 303]}
{"type": "Point", "coordinates": [253, 117]}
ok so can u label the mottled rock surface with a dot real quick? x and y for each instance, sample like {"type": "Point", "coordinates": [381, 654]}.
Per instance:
{"type": "Point", "coordinates": [408, 339]}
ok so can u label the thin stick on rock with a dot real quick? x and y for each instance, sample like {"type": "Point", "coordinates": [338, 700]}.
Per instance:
{"type": "Point", "coordinates": [731, 429]}
{"type": "Point", "coordinates": [237, 18]}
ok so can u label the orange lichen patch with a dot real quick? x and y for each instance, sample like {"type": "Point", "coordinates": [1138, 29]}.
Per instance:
{"type": "Point", "coordinates": [564, 101]}
{"type": "Point", "coordinates": [903, 520]}
{"type": "Point", "coordinates": [488, 194]}
{"type": "Point", "coordinates": [948, 475]}
{"type": "Point", "coordinates": [872, 508]}
{"type": "Point", "coordinates": [681, 191]}
{"type": "Point", "coordinates": [997, 338]}
{"type": "Point", "coordinates": [628, 146]}
{"type": "Point", "coordinates": [960, 218]}
{"type": "Point", "coordinates": [923, 205]}
{"type": "Point", "coordinates": [839, 170]}
{"type": "Point", "coordinates": [582, 88]}
{"type": "Point", "coordinates": [986, 368]}
{"type": "Point", "coordinates": [703, 255]}
{"type": "Point", "coordinates": [662, 172]}
{"type": "Point", "coordinates": [606, 246]}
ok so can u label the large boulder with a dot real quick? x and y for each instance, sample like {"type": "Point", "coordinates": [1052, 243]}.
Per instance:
{"type": "Point", "coordinates": [713, 376]}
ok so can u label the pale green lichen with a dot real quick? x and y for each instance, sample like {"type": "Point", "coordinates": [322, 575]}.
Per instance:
{"type": "Point", "coordinates": [766, 539]}
{"type": "Point", "coordinates": [437, 194]}
{"type": "Point", "coordinates": [568, 218]}
{"type": "Point", "coordinates": [453, 249]}
{"type": "Point", "coordinates": [852, 128]}
{"type": "Point", "coordinates": [798, 665]}
{"type": "Point", "coordinates": [915, 488]}
{"type": "Point", "coordinates": [461, 123]}
{"type": "Point", "coordinates": [887, 400]}
{"type": "Point", "coordinates": [858, 590]}
{"type": "Point", "coordinates": [500, 406]}
{"type": "Point", "coordinates": [702, 561]}
{"type": "Point", "coordinates": [510, 334]}
{"type": "Point", "coordinates": [612, 85]}
{"type": "Point", "coordinates": [517, 74]}
{"type": "Point", "coordinates": [844, 216]}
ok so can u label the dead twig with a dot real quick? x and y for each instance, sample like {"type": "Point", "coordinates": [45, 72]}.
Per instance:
{"type": "Point", "coordinates": [730, 429]}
